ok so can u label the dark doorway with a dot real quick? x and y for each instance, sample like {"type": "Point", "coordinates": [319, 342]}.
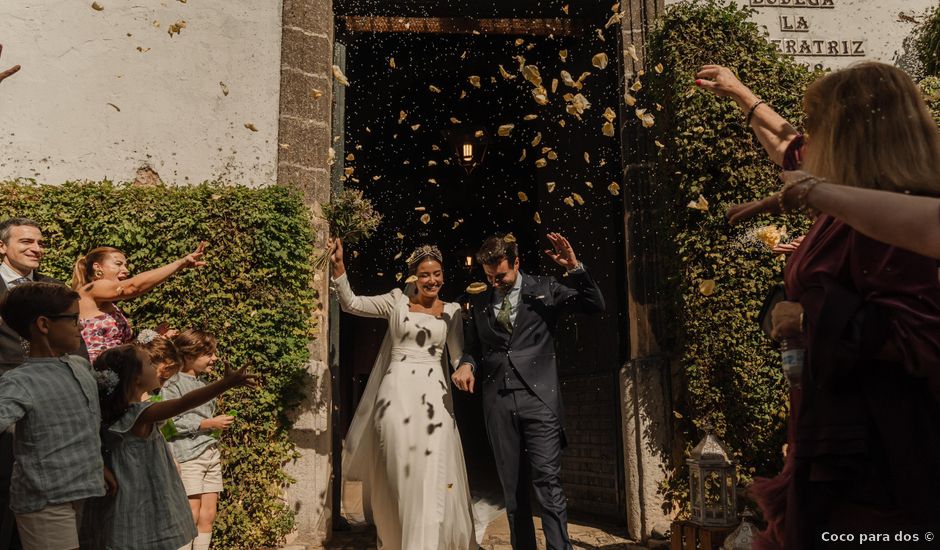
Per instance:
{"type": "Point", "coordinates": [398, 120]}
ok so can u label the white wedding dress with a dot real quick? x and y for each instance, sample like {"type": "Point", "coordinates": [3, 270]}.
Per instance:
{"type": "Point", "coordinates": [403, 443]}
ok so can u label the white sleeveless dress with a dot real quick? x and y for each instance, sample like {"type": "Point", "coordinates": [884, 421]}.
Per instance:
{"type": "Point", "coordinates": [403, 443]}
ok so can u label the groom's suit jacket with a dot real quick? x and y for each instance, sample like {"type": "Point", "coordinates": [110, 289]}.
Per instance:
{"type": "Point", "coordinates": [529, 352]}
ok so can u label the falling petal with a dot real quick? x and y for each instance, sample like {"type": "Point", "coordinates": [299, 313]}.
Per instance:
{"type": "Point", "coordinates": [658, 144]}
{"type": "Point", "coordinates": [541, 163]}
{"type": "Point", "coordinates": [402, 115]}
{"type": "Point", "coordinates": [435, 148]}
{"type": "Point", "coordinates": [522, 156]}
{"type": "Point", "coordinates": [398, 276]}
{"type": "Point", "coordinates": [509, 238]}
{"type": "Point", "coordinates": [251, 127]}
{"type": "Point", "coordinates": [629, 99]}
{"type": "Point", "coordinates": [434, 89]}
{"type": "Point", "coordinates": [455, 120]}
{"type": "Point", "coordinates": [463, 94]}
{"type": "Point", "coordinates": [531, 73]}
{"type": "Point", "coordinates": [569, 201]}
{"type": "Point", "coordinates": [415, 127]}
{"type": "Point", "coordinates": [565, 9]}
{"type": "Point", "coordinates": [540, 98]}
{"type": "Point", "coordinates": [537, 218]}
{"type": "Point", "coordinates": [176, 27]}
{"type": "Point", "coordinates": [505, 129]}
{"type": "Point", "coordinates": [577, 198]}
{"type": "Point", "coordinates": [530, 117]}
{"type": "Point", "coordinates": [331, 156]}
{"type": "Point", "coordinates": [614, 188]}
{"type": "Point", "coordinates": [523, 197]}
{"type": "Point", "coordinates": [432, 163]}
{"type": "Point", "coordinates": [350, 156]}
{"type": "Point", "coordinates": [631, 49]}
{"type": "Point", "coordinates": [700, 204]}
{"type": "Point", "coordinates": [707, 287]}
{"type": "Point", "coordinates": [475, 81]}
{"type": "Point", "coordinates": [610, 115]}
{"type": "Point", "coordinates": [614, 19]}
{"type": "Point", "coordinates": [506, 74]}
{"type": "Point", "coordinates": [224, 88]}
{"type": "Point", "coordinates": [425, 218]}
{"type": "Point", "coordinates": [432, 181]}
{"type": "Point", "coordinates": [118, 109]}
{"type": "Point", "coordinates": [411, 279]}
{"type": "Point", "coordinates": [552, 155]}
{"type": "Point", "coordinates": [537, 139]}
{"type": "Point", "coordinates": [648, 120]}
{"type": "Point", "coordinates": [96, 6]}
{"type": "Point", "coordinates": [637, 86]}
{"type": "Point", "coordinates": [600, 60]}
{"type": "Point", "coordinates": [476, 288]}
{"type": "Point", "coordinates": [587, 157]}
{"type": "Point", "coordinates": [478, 134]}
{"type": "Point", "coordinates": [339, 76]}
{"type": "Point", "coordinates": [391, 62]}
{"type": "Point", "coordinates": [563, 54]}
{"type": "Point", "coordinates": [658, 68]}
{"type": "Point", "coordinates": [550, 186]}
{"type": "Point", "coordinates": [600, 35]}
{"type": "Point", "coordinates": [770, 235]}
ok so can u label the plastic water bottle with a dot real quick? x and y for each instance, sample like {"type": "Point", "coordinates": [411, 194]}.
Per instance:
{"type": "Point", "coordinates": [793, 354]}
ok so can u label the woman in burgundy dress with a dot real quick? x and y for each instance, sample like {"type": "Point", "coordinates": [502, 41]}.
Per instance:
{"type": "Point", "coordinates": [102, 278]}
{"type": "Point", "coordinates": [866, 455]}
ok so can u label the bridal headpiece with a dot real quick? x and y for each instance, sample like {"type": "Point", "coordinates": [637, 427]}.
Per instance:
{"type": "Point", "coordinates": [422, 252]}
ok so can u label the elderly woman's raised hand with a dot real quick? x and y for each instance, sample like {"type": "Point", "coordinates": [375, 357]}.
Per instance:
{"type": "Point", "coordinates": [195, 259]}
{"type": "Point", "coordinates": [720, 80]}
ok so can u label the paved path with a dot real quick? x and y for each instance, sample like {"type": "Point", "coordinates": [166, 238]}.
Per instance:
{"type": "Point", "coordinates": [583, 537]}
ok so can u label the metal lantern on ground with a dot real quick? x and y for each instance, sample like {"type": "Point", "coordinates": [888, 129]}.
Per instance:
{"type": "Point", "coordinates": [713, 478]}
{"type": "Point", "coordinates": [742, 538]}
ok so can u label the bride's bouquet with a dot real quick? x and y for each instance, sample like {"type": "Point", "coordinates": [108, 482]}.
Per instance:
{"type": "Point", "coordinates": [351, 217]}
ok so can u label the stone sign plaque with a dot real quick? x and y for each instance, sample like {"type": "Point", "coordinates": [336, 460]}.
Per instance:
{"type": "Point", "coordinates": [835, 33]}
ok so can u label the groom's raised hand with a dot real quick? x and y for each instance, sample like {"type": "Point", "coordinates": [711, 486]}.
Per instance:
{"type": "Point", "coordinates": [463, 378]}
{"type": "Point", "coordinates": [561, 252]}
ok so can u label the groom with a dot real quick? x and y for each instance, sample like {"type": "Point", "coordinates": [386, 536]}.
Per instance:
{"type": "Point", "coordinates": [510, 345]}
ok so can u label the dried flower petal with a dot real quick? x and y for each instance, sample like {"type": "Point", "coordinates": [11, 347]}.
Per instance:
{"type": "Point", "coordinates": [609, 114]}
{"type": "Point", "coordinates": [176, 27]}
{"type": "Point", "coordinates": [552, 155]}
{"type": "Point", "coordinates": [550, 186]}
{"type": "Point", "coordinates": [402, 115]}
{"type": "Point", "coordinates": [434, 89]}
{"type": "Point", "coordinates": [522, 156]}
{"type": "Point", "coordinates": [569, 201]}
{"type": "Point", "coordinates": [614, 188]}
{"type": "Point", "coordinates": [563, 54]}
{"type": "Point", "coordinates": [425, 218]}
{"type": "Point", "coordinates": [577, 198]}
{"type": "Point", "coordinates": [541, 163]}
{"type": "Point", "coordinates": [637, 86]}
{"type": "Point", "coordinates": [476, 288]}
{"type": "Point", "coordinates": [339, 76]}
{"type": "Point", "coordinates": [658, 68]}
{"type": "Point", "coordinates": [455, 120]}
{"type": "Point", "coordinates": [415, 127]}
{"type": "Point", "coordinates": [523, 197]}
{"type": "Point", "coordinates": [565, 9]}
{"type": "Point", "coordinates": [475, 81]}
{"type": "Point", "coordinates": [391, 62]}
{"type": "Point", "coordinates": [587, 157]}
{"type": "Point", "coordinates": [530, 117]}
{"type": "Point", "coordinates": [506, 74]}
{"type": "Point", "coordinates": [631, 49]}
{"type": "Point", "coordinates": [96, 6]}
{"type": "Point", "coordinates": [411, 279]}
{"type": "Point", "coordinates": [505, 129]}
{"type": "Point", "coordinates": [700, 204]}
{"type": "Point", "coordinates": [251, 127]}
{"type": "Point", "coordinates": [707, 287]}
{"type": "Point", "coordinates": [629, 99]}
{"type": "Point", "coordinates": [537, 218]}
{"type": "Point", "coordinates": [537, 139]}
{"type": "Point", "coordinates": [608, 129]}
{"type": "Point", "coordinates": [531, 73]}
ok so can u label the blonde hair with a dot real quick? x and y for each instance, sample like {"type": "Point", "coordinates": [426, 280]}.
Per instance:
{"type": "Point", "coordinates": [84, 270]}
{"type": "Point", "coordinates": [868, 126]}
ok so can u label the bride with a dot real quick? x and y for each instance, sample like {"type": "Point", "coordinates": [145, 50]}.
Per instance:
{"type": "Point", "coordinates": [403, 443]}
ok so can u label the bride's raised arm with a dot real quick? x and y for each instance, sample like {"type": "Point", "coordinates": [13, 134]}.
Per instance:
{"type": "Point", "coordinates": [364, 306]}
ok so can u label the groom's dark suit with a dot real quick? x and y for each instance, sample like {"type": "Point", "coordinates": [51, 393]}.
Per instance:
{"type": "Point", "coordinates": [521, 397]}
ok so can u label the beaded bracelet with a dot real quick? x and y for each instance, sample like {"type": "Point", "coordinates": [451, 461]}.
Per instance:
{"type": "Point", "coordinates": [750, 112]}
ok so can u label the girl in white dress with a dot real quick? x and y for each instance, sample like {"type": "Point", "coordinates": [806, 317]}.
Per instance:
{"type": "Point", "coordinates": [403, 443]}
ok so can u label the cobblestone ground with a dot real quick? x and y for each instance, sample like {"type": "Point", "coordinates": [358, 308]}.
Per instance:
{"type": "Point", "coordinates": [583, 537]}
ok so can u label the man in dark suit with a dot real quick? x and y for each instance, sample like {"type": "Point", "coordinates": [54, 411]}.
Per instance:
{"type": "Point", "coordinates": [510, 346]}
{"type": "Point", "coordinates": [22, 248]}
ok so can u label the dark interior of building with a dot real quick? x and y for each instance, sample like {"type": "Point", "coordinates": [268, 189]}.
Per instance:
{"type": "Point", "coordinates": [414, 100]}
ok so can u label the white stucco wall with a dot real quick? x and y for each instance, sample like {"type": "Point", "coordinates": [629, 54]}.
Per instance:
{"type": "Point", "coordinates": [55, 121]}
{"type": "Point", "coordinates": [837, 33]}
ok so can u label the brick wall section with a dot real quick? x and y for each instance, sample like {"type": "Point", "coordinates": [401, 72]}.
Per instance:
{"type": "Point", "coordinates": [591, 461]}
{"type": "Point", "coordinates": [304, 138]}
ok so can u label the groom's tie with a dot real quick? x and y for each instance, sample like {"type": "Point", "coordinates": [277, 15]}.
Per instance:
{"type": "Point", "coordinates": [503, 318]}
{"type": "Point", "coordinates": [17, 282]}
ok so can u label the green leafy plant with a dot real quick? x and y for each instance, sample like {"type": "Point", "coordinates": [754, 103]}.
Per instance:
{"type": "Point", "coordinates": [927, 43]}
{"type": "Point", "coordinates": [255, 294]}
{"type": "Point", "coordinates": [727, 373]}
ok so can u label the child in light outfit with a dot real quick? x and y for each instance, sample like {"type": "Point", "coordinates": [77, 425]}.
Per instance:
{"type": "Point", "coordinates": [53, 400]}
{"type": "Point", "coordinates": [150, 510]}
{"type": "Point", "coordinates": [196, 446]}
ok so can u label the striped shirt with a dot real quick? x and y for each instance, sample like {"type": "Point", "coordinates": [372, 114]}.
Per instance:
{"type": "Point", "coordinates": [190, 441]}
{"type": "Point", "coordinates": [54, 403]}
